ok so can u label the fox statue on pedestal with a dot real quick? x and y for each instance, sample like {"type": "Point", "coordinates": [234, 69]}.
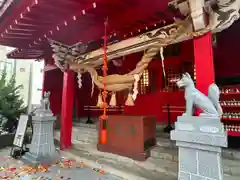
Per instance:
{"type": "Point", "coordinates": [195, 99]}
{"type": "Point", "coordinates": [45, 102]}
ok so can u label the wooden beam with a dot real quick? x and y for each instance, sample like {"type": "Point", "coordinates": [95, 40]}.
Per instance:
{"type": "Point", "coordinates": [20, 34]}
{"type": "Point", "coordinates": [198, 14]}
{"type": "Point", "coordinates": [194, 8]}
{"type": "Point", "coordinates": [36, 21]}
{"type": "Point", "coordinates": [40, 26]}
{"type": "Point", "coordinates": [5, 6]}
{"type": "Point", "coordinates": [50, 67]}
{"type": "Point", "coordinates": [20, 29]}
{"type": "Point", "coordinates": [16, 37]}
{"type": "Point", "coordinates": [133, 45]}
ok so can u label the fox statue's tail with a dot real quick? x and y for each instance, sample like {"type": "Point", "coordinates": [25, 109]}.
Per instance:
{"type": "Point", "coordinates": [214, 95]}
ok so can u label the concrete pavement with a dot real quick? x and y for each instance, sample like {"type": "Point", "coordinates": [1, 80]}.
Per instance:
{"type": "Point", "coordinates": [66, 169]}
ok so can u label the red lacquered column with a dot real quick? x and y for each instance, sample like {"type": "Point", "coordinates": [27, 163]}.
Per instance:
{"type": "Point", "coordinates": [204, 63]}
{"type": "Point", "coordinates": [44, 79]}
{"type": "Point", "coordinates": [67, 108]}
{"type": "Point", "coordinates": [203, 56]}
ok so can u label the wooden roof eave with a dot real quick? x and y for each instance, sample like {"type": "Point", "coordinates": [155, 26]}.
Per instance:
{"type": "Point", "coordinates": [139, 43]}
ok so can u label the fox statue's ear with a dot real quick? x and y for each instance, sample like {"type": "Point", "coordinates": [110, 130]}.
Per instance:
{"type": "Point", "coordinates": [188, 75]}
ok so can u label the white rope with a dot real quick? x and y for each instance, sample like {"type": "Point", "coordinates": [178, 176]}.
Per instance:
{"type": "Point", "coordinates": [135, 88]}
{"type": "Point", "coordinates": [79, 76]}
{"type": "Point", "coordinates": [162, 58]}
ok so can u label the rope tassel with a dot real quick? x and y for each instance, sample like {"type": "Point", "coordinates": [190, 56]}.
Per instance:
{"type": "Point", "coordinates": [100, 101]}
{"type": "Point", "coordinates": [113, 101]}
{"type": "Point", "coordinates": [129, 101]}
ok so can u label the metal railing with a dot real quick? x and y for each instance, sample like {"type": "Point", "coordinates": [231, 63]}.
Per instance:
{"type": "Point", "coordinates": [170, 109]}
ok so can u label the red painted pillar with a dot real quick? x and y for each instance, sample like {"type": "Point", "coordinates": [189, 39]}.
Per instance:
{"type": "Point", "coordinates": [67, 109]}
{"type": "Point", "coordinates": [203, 56]}
{"type": "Point", "coordinates": [44, 78]}
{"type": "Point", "coordinates": [44, 82]}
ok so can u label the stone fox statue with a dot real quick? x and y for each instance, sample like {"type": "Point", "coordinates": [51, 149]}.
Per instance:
{"type": "Point", "coordinates": [194, 98]}
{"type": "Point", "coordinates": [45, 101]}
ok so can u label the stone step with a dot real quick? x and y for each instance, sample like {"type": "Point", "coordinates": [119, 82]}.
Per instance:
{"type": "Point", "coordinates": [163, 140]}
{"type": "Point", "coordinates": [228, 153]}
{"type": "Point", "coordinates": [126, 170]}
{"type": "Point", "coordinates": [169, 154]}
{"type": "Point", "coordinates": [152, 169]}
{"type": "Point", "coordinates": [230, 167]}
{"type": "Point", "coordinates": [166, 150]}
{"type": "Point", "coordinates": [122, 166]}
{"type": "Point", "coordinates": [92, 126]}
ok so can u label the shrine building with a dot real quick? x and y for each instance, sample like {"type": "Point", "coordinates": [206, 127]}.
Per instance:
{"type": "Point", "coordinates": [123, 57]}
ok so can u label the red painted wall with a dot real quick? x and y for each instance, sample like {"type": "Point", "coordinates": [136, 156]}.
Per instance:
{"type": "Point", "coordinates": [54, 83]}
{"type": "Point", "coordinates": [149, 104]}
{"type": "Point", "coordinates": [152, 104]}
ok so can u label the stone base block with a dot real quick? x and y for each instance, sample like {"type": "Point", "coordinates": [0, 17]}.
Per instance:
{"type": "Point", "coordinates": [199, 164]}
{"type": "Point", "coordinates": [199, 142]}
{"type": "Point", "coordinates": [198, 131]}
{"type": "Point", "coordinates": [188, 176]}
{"type": "Point", "coordinates": [34, 160]}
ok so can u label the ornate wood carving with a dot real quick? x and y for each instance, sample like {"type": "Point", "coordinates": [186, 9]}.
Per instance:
{"type": "Point", "coordinates": [197, 13]}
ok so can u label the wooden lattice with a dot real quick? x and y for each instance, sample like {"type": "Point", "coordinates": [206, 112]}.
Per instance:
{"type": "Point", "coordinates": [144, 82]}
{"type": "Point", "coordinates": [171, 79]}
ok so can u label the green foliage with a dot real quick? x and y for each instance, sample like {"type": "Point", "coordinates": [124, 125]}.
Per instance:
{"type": "Point", "coordinates": [11, 103]}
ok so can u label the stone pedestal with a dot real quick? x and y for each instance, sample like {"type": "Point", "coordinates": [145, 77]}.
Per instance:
{"type": "Point", "coordinates": [199, 141]}
{"type": "Point", "coordinates": [42, 149]}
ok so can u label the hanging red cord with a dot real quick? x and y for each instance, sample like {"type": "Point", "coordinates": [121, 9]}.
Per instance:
{"type": "Point", "coordinates": [103, 133]}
